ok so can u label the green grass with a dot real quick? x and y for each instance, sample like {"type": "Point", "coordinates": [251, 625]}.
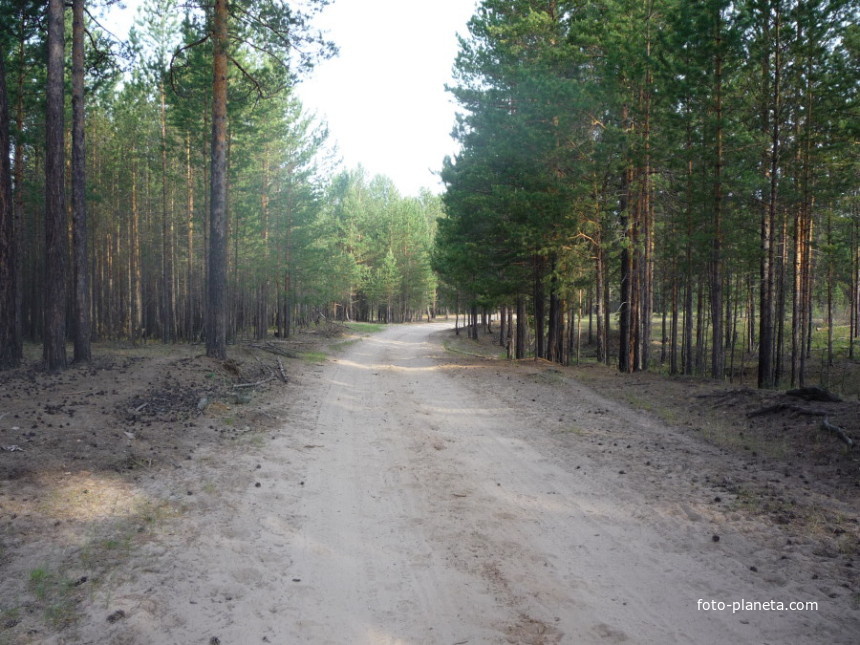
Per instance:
{"type": "Point", "coordinates": [314, 357]}
{"type": "Point", "coordinates": [365, 328]}
{"type": "Point", "coordinates": [465, 346]}
{"type": "Point", "coordinates": [57, 596]}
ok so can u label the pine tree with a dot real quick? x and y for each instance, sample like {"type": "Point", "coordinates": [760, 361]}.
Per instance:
{"type": "Point", "coordinates": [54, 344]}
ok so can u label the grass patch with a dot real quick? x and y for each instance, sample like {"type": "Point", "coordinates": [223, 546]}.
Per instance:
{"type": "Point", "coordinates": [666, 414]}
{"type": "Point", "coordinates": [638, 402]}
{"type": "Point", "coordinates": [738, 440]}
{"type": "Point", "coordinates": [365, 328]}
{"type": "Point", "coordinates": [59, 588]}
{"type": "Point", "coordinates": [56, 595]}
{"type": "Point", "coordinates": [466, 347]}
{"type": "Point", "coordinates": [253, 439]}
{"type": "Point", "coordinates": [314, 357]}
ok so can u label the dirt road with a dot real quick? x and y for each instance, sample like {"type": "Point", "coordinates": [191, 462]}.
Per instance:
{"type": "Point", "coordinates": [408, 499]}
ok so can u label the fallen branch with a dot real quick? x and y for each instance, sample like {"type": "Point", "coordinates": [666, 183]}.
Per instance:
{"type": "Point", "coordinates": [281, 370]}
{"type": "Point", "coordinates": [839, 432]}
{"type": "Point", "coordinates": [779, 407]}
{"type": "Point", "coordinates": [265, 380]}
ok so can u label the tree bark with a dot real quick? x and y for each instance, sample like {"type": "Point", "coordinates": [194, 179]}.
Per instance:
{"type": "Point", "coordinates": [216, 310]}
{"type": "Point", "coordinates": [539, 308]}
{"type": "Point", "coordinates": [555, 337]}
{"type": "Point", "coordinates": [718, 355]}
{"type": "Point", "coordinates": [18, 201]}
{"type": "Point", "coordinates": [625, 314]}
{"type": "Point", "coordinates": [56, 244]}
{"type": "Point", "coordinates": [191, 283]}
{"type": "Point", "coordinates": [600, 299]}
{"type": "Point", "coordinates": [136, 270]}
{"type": "Point", "coordinates": [168, 310]}
{"type": "Point", "coordinates": [10, 346]}
{"type": "Point", "coordinates": [768, 224]}
{"type": "Point", "coordinates": [522, 325]}
{"type": "Point", "coordinates": [83, 328]}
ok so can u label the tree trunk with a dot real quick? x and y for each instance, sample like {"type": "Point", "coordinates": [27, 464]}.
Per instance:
{"type": "Point", "coordinates": [136, 269]}
{"type": "Point", "coordinates": [83, 332]}
{"type": "Point", "coordinates": [191, 287]}
{"type": "Point", "coordinates": [854, 287]}
{"type": "Point", "coordinates": [624, 314]}
{"type": "Point", "coordinates": [600, 298]}
{"type": "Point", "coordinates": [56, 242]}
{"type": "Point", "coordinates": [673, 341]}
{"type": "Point", "coordinates": [539, 308]}
{"type": "Point", "coordinates": [216, 310]}
{"type": "Point", "coordinates": [168, 314]}
{"type": "Point", "coordinates": [830, 280]}
{"type": "Point", "coordinates": [10, 345]}
{"type": "Point", "coordinates": [555, 344]}
{"type": "Point", "coordinates": [646, 213]}
{"type": "Point", "coordinates": [555, 337]}
{"type": "Point", "coordinates": [473, 320]}
{"type": "Point", "coordinates": [768, 224]}
{"type": "Point", "coordinates": [701, 324]}
{"type": "Point", "coordinates": [522, 325]}
{"type": "Point", "coordinates": [18, 206]}
{"type": "Point", "coordinates": [718, 355]}
{"type": "Point", "coordinates": [510, 337]}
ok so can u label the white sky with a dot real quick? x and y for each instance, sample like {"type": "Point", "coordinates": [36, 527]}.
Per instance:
{"type": "Point", "coordinates": [383, 97]}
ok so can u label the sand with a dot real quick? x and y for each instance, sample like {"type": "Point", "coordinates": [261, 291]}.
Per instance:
{"type": "Point", "coordinates": [410, 498]}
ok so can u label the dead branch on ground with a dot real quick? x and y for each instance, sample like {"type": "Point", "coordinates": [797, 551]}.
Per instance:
{"type": "Point", "coordinates": [258, 383]}
{"type": "Point", "coordinates": [839, 432]}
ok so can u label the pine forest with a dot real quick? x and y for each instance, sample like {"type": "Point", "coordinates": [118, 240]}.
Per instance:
{"type": "Point", "coordinates": [653, 184]}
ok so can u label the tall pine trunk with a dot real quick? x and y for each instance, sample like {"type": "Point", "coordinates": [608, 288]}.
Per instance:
{"type": "Point", "coordinates": [600, 296]}
{"type": "Point", "coordinates": [10, 343]}
{"type": "Point", "coordinates": [216, 310]}
{"type": "Point", "coordinates": [522, 328]}
{"type": "Point", "coordinates": [135, 260]}
{"type": "Point", "coordinates": [56, 242]}
{"type": "Point", "coordinates": [718, 355]}
{"type": "Point", "coordinates": [189, 230]}
{"type": "Point", "coordinates": [83, 330]}
{"type": "Point", "coordinates": [771, 115]}
{"type": "Point", "coordinates": [168, 309]}
{"type": "Point", "coordinates": [624, 313]}
{"type": "Point", "coordinates": [539, 307]}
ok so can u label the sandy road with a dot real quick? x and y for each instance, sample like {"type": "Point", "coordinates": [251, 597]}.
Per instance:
{"type": "Point", "coordinates": [415, 503]}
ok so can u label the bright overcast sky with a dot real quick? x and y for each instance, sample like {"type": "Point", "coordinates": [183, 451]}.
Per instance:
{"type": "Point", "coordinates": [383, 97]}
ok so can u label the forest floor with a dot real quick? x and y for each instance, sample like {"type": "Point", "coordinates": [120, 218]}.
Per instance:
{"type": "Point", "coordinates": [410, 486]}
